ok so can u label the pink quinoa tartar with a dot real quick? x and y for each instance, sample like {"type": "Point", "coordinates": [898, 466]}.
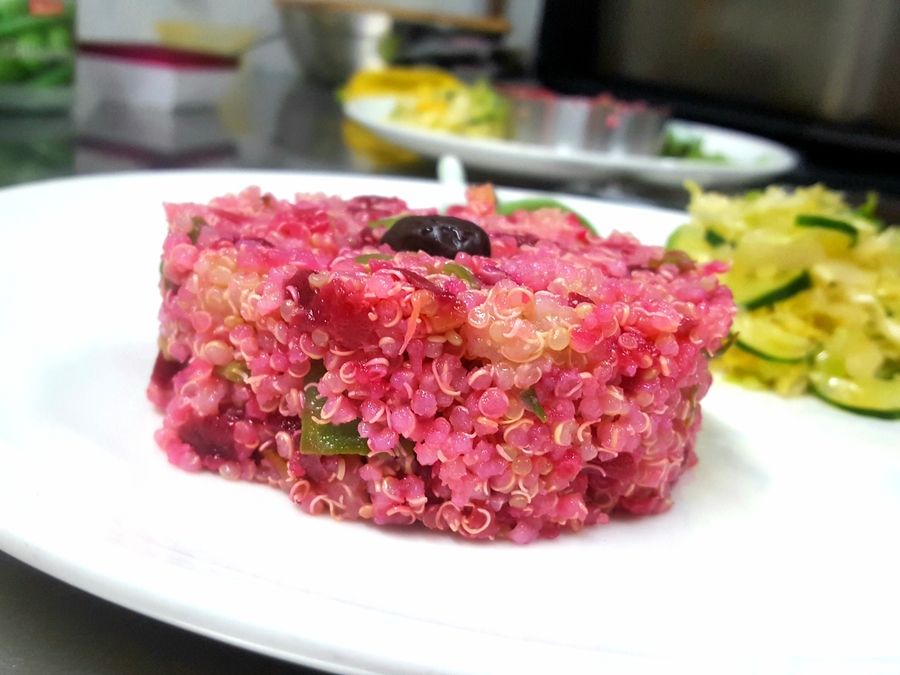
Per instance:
{"type": "Point", "coordinates": [512, 396]}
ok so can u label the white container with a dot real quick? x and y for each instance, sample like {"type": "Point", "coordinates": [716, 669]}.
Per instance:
{"type": "Point", "coordinates": [151, 76]}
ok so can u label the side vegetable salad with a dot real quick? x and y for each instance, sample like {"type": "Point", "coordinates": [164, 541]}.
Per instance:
{"type": "Point", "coordinates": [469, 110]}
{"type": "Point", "coordinates": [818, 288]}
{"type": "Point", "coordinates": [435, 99]}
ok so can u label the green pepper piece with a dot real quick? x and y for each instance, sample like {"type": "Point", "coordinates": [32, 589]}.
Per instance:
{"type": "Point", "coordinates": [535, 203]}
{"type": "Point", "coordinates": [676, 257]}
{"type": "Point", "coordinates": [530, 399]}
{"type": "Point", "coordinates": [197, 224]}
{"type": "Point", "coordinates": [386, 222]}
{"type": "Point", "coordinates": [724, 347]}
{"type": "Point", "coordinates": [462, 272]}
{"type": "Point", "coordinates": [327, 439]}
{"type": "Point", "coordinates": [365, 258]}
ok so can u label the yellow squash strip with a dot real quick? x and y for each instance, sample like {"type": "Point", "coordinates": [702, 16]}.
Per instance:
{"type": "Point", "coordinates": [818, 287]}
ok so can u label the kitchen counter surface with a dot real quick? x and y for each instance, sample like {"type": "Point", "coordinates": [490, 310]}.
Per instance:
{"type": "Point", "coordinates": [48, 627]}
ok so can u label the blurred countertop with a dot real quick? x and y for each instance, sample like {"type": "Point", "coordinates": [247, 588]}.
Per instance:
{"type": "Point", "coordinates": [276, 121]}
{"type": "Point", "coordinates": [267, 121]}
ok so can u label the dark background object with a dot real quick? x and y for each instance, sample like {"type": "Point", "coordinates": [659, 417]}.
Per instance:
{"type": "Point", "coordinates": [819, 75]}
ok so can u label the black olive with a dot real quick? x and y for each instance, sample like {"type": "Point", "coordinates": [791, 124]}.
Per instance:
{"type": "Point", "coordinates": [438, 235]}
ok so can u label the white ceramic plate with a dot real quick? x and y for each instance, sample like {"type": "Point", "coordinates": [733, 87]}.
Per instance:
{"type": "Point", "coordinates": [778, 556]}
{"type": "Point", "coordinates": [750, 158]}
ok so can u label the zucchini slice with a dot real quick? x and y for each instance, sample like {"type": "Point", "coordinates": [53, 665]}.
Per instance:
{"type": "Point", "coordinates": [686, 238]}
{"type": "Point", "coordinates": [825, 223]}
{"type": "Point", "coordinates": [755, 293]}
{"type": "Point", "coordinates": [762, 337]}
{"type": "Point", "coordinates": [713, 238]}
{"type": "Point", "coordinates": [702, 244]}
{"type": "Point", "coordinates": [868, 396]}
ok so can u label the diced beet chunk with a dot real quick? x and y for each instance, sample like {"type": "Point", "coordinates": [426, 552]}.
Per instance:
{"type": "Point", "coordinates": [164, 370]}
{"type": "Point", "coordinates": [213, 436]}
{"type": "Point", "coordinates": [276, 422]}
{"type": "Point", "coordinates": [621, 467]}
{"type": "Point", "coordinates": [575, 299]}
{"type": "Point", "coordinates": [337, 308]}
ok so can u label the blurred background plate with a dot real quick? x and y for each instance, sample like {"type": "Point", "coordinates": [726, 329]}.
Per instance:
{"type": "Point", "coordinates": [743, 158]}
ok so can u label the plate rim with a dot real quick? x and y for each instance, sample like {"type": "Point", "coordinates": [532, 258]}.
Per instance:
{"type": "Point", "coordinates": [786, 159]}
{"type": "Point", "coordinates": [645, 661]}
{"type": "Point", "coordinates": [81, 570]}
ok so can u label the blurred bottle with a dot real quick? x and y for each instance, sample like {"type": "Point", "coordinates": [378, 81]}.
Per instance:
{"type": "Point", "coordinates": [37, 54]}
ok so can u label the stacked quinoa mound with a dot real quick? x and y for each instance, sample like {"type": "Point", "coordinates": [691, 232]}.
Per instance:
{"type": "Point", "coordinates": [512, 396]}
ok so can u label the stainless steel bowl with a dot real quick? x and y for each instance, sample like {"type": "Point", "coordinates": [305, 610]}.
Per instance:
{"type": "Point", "coordinates": [331, 42]}
{"type": "Point", "coordinates": [332, 39]}
{"type": "Point", "coordinates": [599, 124]}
